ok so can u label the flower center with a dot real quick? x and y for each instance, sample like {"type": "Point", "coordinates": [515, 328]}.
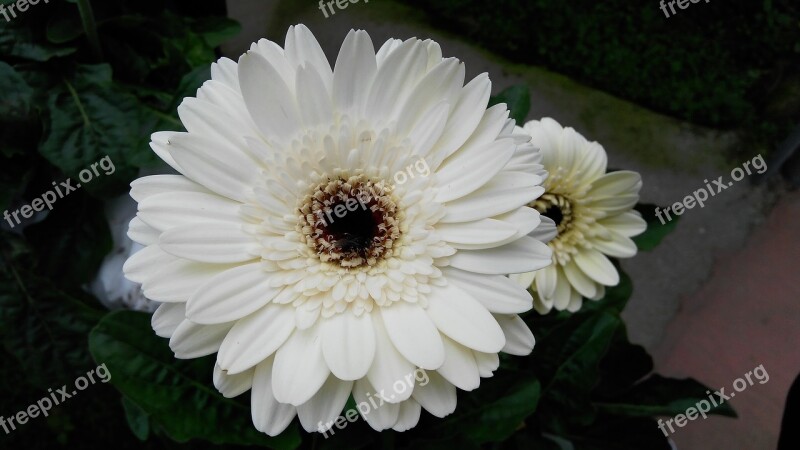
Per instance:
{"type": "Point", "coordinates": [351, 221]}
{"type": "Point", "coordinates": [558, 208]}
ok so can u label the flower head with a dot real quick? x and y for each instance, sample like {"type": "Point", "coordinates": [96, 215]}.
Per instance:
{"type": "Point", "coordinates": [333, 230]}
{"type": "Point", "coordinates": [590, 215]}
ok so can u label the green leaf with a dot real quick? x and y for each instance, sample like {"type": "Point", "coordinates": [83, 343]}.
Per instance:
{"type": "Point", "coordinates": [177, 395]}
{"type": "Point", "coordinates": [569, 359]}
{"type": "Point", "coordinates": [492, 413]}
{"type": "Point", "coordinates": [64, 27]}
{"type": "Point", "coordinates": [90, 119]}
{"type": "Point", "coordinates": [661, 396]}
{"type": "Point", "coordinates": [137, 419]}
{"type": "Point", "coordinates": [518, 101]}
{"type": "Point", "coordinates": [43, 328]}
{"type": "Point", "coordinates": [217, 30]}
{"type": "Point", "coordinates": [15, 103]}
{"type": "Point", "coordinates": [656, 231]}
{"type": "Point", "coordinates": [624, 365]}
{"type": "Point", "coordinates": [18, 42]}
{"type": "Point", "coordinates": [616, 297]}
{"type": "Point", "coordinates": [189, 85]}
{"type": "Point", "coordinates": [498, 420]}
{"type": "Point", "coordinates": [73, 240]}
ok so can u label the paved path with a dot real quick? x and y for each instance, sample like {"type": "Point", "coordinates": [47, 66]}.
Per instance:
{"type": "Point", "coordinates": [746, 315]}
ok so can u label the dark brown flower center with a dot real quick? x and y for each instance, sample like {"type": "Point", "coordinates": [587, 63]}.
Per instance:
{"type": "Point", "coordinates": [350, 221]}
{"type": "Point", "coordinates": [557, 207]}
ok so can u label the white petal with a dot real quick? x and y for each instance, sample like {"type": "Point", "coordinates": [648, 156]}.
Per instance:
{"type": "Point", "coordinates": [616, 183]}
{"type": "Point", "coordinates": [546, 231]}
{"type": "Point", "coordinates": [441, 85]}
{"type": "Point", "coordinates": [519, 338]}
{"type": "Point", "coordinates": [302, 48]}
{"type": "Point", "coordinates": [463, 319]}
{"type": "Point", "coordinates": [314, 101]}
{"type": "Point", "coordinates": [144, 264]}
{"type": "Point", "coordinates": [269, 416]}
{"type": "Point", "coordinates": [167, 318]}
{"type": "Point", "coordinates": [232, 385]}
{"type": "Point", "coordinates": [475, 235]}
{"type": "Point", "coordinates": [487, 363]}
{"type": "Point", "coordinates": [408, 417]}
{"type": "Point", "coordinates": [348, 344]}
{"type": "Point", "coordinates": [423, 346]}
{"type": "Point", "coordinates": [428, 130]}
{"type": "Point", "coordinates": [211, 243]}
{"type": "Point", "coordinates": [325, 406]}
{"type": "Point", "coordinates": [466, 115]}
{"type": "Point", "coordinates": [225, 71]}
{"type": "Point", "coordinates": [395, 76]}
{"type": "Point", "coordinates": [582, 284]}
{"type": "Point", "coordinates": [177, 280]}
{"type": "Point", "coordinates": [563, 290]}
{"type": "Point", "coordinates": [231, 295]}
{"type": "Point", "coordinates": [526, 220]}
{"type": "Point", "coordinates": [459, 366]}
{"type": "Point", "coordinates": [354, 72]}
{"type": "Point", "coordinates": [144, 187]}
{"type": "Point", "coordinates": [500, 195]}
{"type": "Point", "coordinates": [191, 340]}
{"type": "Point", "coordinates": [270, 101]}
{"type": "Point", "coordinates": [389, 365]}
{"type": "Point", "coordinates": [172, 209]}
{"type": "Point", "coordinates": [575, 301]}
{"type": "Point", "coordinates": [523, 255]}
{"type": "Point", "coordinates": [256, 337]}
{"type": "Point", "coordinates": [469, 169]}
{"type": "Point", "coordinates": [142, 233]}
{"type": "Point", "coordinates": [597, 267]}
{"type": "Point", "coordinates": [628, 224]}
{"type": "Point", "coordinates": [546, 281]}
{"type": "Point", "coordinates": [378, 414]}
{"type": "Point", "coordinates": [438, 396]}
{"type": "Point", "coordinates": [496, 293]}
{"type": "Point", "coordinates": [524, 279]}
{"type": "Point", "coordinates": [618, 246]}
{"type": "Point", "coordinates": [204, 118]}
{"type": "Point", "coordinates": [217, 165]}
{"type": "Point", "coordinates": [300, 370]}
{"type": "Point", "coordinates": [160, 145]}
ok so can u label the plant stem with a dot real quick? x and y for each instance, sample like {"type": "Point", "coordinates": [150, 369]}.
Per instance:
{"type": "Point", "coordinates": [90, 27]}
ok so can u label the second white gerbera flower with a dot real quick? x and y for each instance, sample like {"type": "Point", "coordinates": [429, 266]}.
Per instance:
{"type": "Point", "coordinates": [334, 230]}
{"type": "Point", "coordinates": [593, 217]}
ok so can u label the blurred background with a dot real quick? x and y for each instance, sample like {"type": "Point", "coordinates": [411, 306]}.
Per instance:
{"type": "Point", "coordinates": [680, 99]}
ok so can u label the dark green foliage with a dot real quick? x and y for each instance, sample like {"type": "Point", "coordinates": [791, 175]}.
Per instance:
{"type": "Point", "coordinates": [176, 395]}
{"type": "Point", "coordinates": [723, 64]}
{"type": "Point", "coordinates": [656, 231]}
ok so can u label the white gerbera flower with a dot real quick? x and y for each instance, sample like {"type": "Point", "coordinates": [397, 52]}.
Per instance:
{"type": "Point", "coordinates": [590, 213]}
{"type": "Point", "coordinates": [335, 230]}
